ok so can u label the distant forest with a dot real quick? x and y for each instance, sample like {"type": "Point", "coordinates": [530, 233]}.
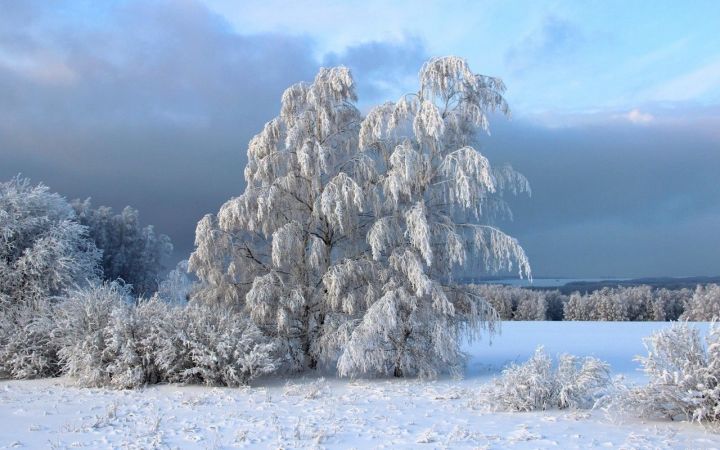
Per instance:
{"type": "Point", "coordinates": [599, 301]}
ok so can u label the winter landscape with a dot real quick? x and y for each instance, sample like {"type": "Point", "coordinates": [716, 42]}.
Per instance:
{"type": "Point", "coordinates": [319, 411]}
{"type": "Point", "coordinates": [344, 241]}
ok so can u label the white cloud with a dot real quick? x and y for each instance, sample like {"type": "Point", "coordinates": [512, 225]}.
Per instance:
{"type": "Point", "coordinates": [636, 116]}
{"type": "Point", "coordinates": [693, 85]}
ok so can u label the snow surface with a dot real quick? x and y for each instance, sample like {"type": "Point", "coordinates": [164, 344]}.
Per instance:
{"type": "Point", "coordinates": [313, 412]}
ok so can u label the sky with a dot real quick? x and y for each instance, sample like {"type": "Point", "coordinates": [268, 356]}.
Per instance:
{"type": "Point", "coordinates": [615, 108]}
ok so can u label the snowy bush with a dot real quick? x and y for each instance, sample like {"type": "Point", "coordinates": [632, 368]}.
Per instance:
{"type": "Point", "coordinates": [683, 373]}
{"type": "Point", "coordinates": [105, 338]}
{"type": "Point", "coordinates": [43, 252]}
{"type": "Point", "coordinates": [704, 305]}
{"type": "Point", "coordinates": [537, 385]}
{"type": "Point", "coordinates": [215, 347]}
{"type": "Point", "coordinates": [26, 347]}
{"type": "Point", "coordinates": [84, 332]}
{"type": "Point", "coordinates": [130, 252]}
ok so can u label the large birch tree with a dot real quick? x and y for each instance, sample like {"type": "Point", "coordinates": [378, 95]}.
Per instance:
{"type": "Point", "coordinates": [347, 240]}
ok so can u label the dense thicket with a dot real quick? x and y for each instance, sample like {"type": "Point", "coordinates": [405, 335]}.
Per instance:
{"type": "Point", "coordinates": [106, 338]}
{"type": "Point", "coordinates": [43, 252]}
{"type": "Point", "coordinates": [130, 252]}
{"type": "Point", "coordinates": [48, 248]}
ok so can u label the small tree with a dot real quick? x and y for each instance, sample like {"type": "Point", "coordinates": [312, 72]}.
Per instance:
{"type": "Point", "coordinates": [177, 285]}
{"type": "Point", "coordinates": [345, 243]}
{"type": "Point", "coordinates": [130, 252]}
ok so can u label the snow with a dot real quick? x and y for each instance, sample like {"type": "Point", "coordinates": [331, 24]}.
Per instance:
{"type": "Point", "coordinates": [313, 412]}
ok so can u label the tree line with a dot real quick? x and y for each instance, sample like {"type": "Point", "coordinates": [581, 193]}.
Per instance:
{"type": "Point", "coordinates": [622, 303]}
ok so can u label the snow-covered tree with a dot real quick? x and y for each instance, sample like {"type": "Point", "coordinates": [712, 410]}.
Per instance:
{"type": "Point", "coordinates": [670, 304]}
{"type": "Point", "coordinates": [638, 303]}
{"type": "Point", "coordinates": [177, 285]}
{"type": "Point", "coordinates": [555, 302]}
{"type": "Point", "coordinates": [515, 303]}
{"type": "Point", "coordinates": [43, 252]}
{"type": "Point", "coordinates": [130, 252]}
{"type": "Point", "coordinates": [345, 243]}
{"type": "Point", "coordinates": [704, 304]}
{"type": "Point", "coordinates": [268, 249]}
{"type": "Point", "coordinates": [607, 305]}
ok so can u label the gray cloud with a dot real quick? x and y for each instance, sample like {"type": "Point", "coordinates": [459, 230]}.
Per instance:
{"type": "Point", "coordinates": [615, 199]}
{"type": "Point", "coordinates": [154, 108]}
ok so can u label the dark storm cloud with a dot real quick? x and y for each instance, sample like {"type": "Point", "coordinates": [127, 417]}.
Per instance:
{"type": "Point", "coordinates": [150, 104]}
{"type": "Point", "coordinates": [615, 199]}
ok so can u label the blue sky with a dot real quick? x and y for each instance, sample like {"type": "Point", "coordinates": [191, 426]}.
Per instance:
{"type": "Point", "coordinates": [557, 56]}
{"type": "Point", "coordinates": [151, 103]}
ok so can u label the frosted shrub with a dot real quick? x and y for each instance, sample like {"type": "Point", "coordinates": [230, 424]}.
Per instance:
{"type": "Point", "coordinates": [106, 339]}
{"type": "Point", "coordinates": [26, 348]}
{"type": "Point", "coordinates": [537, 385]}
{"type": "Point", "coordinates": [135, 335]}
{"type": "Point", "coordinates": [684, 376]}
{"type": "Point", "coordinates": [84, 335]}
{"type": "Point", "coordinates": [215, 347]}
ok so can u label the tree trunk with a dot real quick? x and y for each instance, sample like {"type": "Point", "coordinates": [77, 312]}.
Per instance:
{"type": "Point", "coordinates": [397, 371]}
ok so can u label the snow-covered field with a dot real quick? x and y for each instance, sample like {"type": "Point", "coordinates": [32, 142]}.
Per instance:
{"type": "Point", "coordinates": [331, 413]}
